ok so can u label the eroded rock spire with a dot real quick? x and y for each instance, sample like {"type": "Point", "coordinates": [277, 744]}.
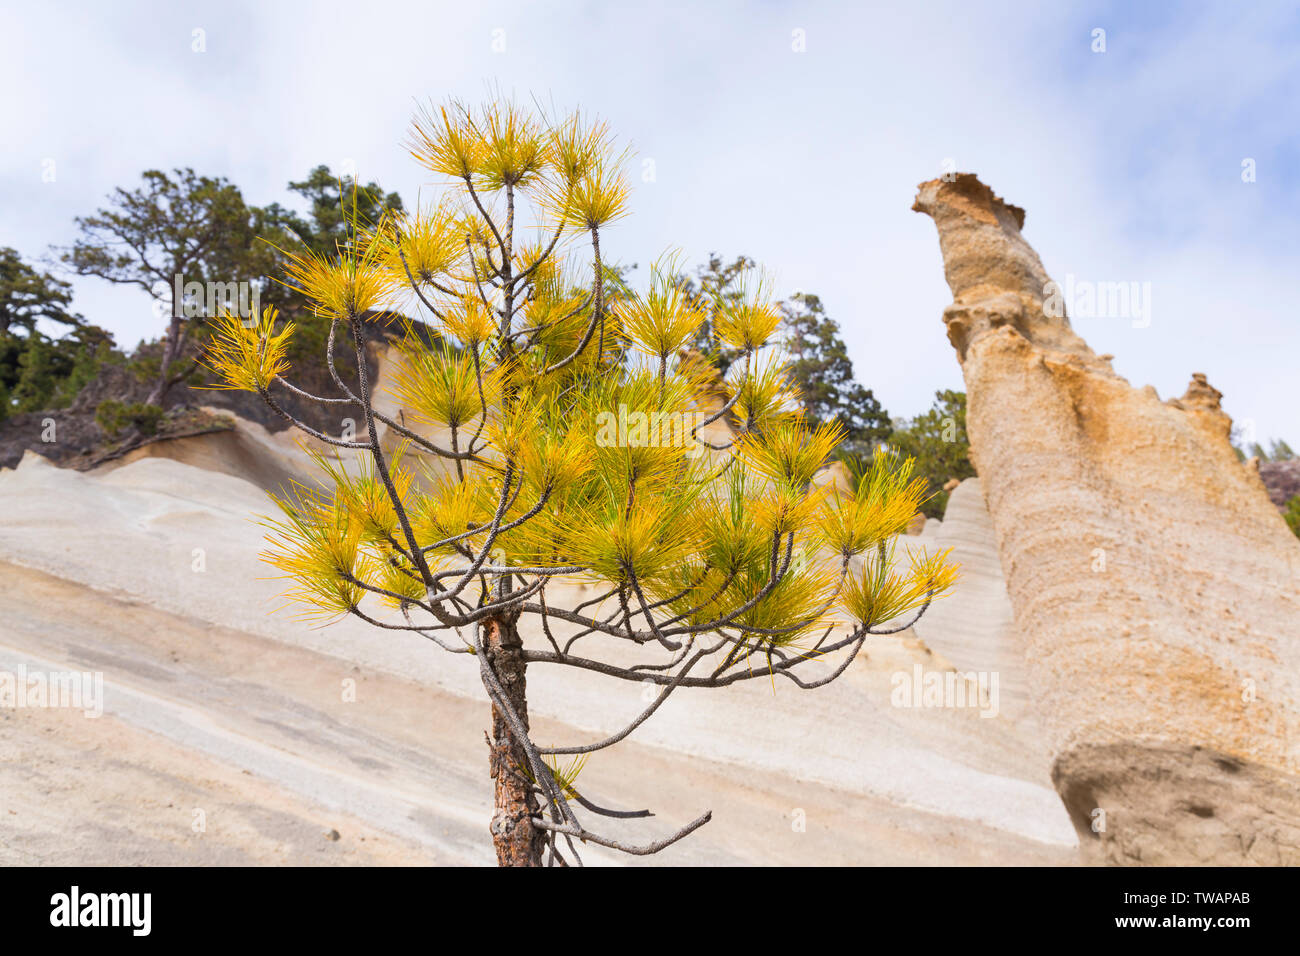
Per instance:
{"type": "Point", "coordinates": [1156, 588]}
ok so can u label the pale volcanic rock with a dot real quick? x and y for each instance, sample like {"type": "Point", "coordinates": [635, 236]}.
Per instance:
{"type": "Point", "coordinates": [1155, 587]}
{"type": "Point", "coordinates": [150, 571]}
{"type": "Point", "coordinates": [975, 628]}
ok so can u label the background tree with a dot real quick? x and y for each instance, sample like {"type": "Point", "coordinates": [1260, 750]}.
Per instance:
{"type": "Point", "coordinates": [549, 437]}
{"type": "Point", "coordinates": [334, 203]}
{"type": "Point", "coordinates": [822, 372]}
{"type": "Point", "coordinates": [716, 285]}
{"type": "Point", "coordinates": [1245, 446]}
{"type": "Point", "coordinates": [336, 207]}
{"type": "Point", "coordinates": [182, 224]}
{"type": "Point", "coordinates": [1278, 450]}
{"type": "Point", "coordinates": [1291, 513]}
{"type": "Point", "coordinates": [28, 296]}
{"type": "Point", "coordinates": [38, 370]}
{"type": "Point", "coordinates": [937, 440]}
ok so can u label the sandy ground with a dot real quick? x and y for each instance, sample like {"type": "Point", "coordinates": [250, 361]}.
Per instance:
{"type": "Point", "coordinates": [213, 703]}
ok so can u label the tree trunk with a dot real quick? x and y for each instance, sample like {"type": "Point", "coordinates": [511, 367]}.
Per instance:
{"type": "Point", "coordinates": [517, 841]}
{"type": "Point", "coordinates": [160, 388]}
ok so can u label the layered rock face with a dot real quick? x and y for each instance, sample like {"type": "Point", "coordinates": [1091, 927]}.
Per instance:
{"type": "Point", "coordinates": [1155, 586]}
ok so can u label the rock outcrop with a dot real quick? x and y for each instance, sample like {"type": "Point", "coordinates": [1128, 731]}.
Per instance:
{"type": "Point", "coordinates": [1155, 587]}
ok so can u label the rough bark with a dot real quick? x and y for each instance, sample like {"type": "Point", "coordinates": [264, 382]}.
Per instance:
{"type": "Point", "coordinates": [1155, 587]}
{"type": "Point", "coordinates": [170, 351]}
{"type": "Point", "coordinates": [517, 841]}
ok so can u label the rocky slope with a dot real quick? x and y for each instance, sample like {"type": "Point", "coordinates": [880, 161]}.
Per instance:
{"type": "Point", "coordinates": [215, 699]}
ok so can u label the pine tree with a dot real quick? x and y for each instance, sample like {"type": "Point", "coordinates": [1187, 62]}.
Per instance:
{"type": "Point", "coordinates": [549, 436]}
{"type": "Point", "coordinates": [714, 285]}
{"type": "Point", "coordinates": [40, 371]}
{"type": "Point", "coordinates": [173, 228]}
{"type": "Point", "coordinates": [823, 375]}
{"type": "Point", "coordinates": [937, 441]}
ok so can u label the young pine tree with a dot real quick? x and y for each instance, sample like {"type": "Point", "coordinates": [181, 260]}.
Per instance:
{"type": "Point", "coordinates": [542, 438]}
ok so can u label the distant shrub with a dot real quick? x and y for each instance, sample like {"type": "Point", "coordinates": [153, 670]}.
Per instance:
{"type": "Point", "coordinates": [1277, 449]}
{"type": "Point", "coordinates": [39, 373]}
{"type": "Point", "coordinates": [1292, 514]}
{"type": "Point", "coordinates": [937, 440]}
{"type": "Point", "coordinates": [115, 417]}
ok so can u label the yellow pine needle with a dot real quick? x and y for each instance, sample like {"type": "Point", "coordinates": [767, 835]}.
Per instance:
{"type": "Point", "coordinates": [935, 574]}
{"type": "Point", "coordinates": [439, 386]}
{"type": "Point", "coordinates": [445, 141]}
{"type": "Point", "coordinates": [749, 318]}
{"type": "Point", "coordinates": [468, 320]}
{"type": "Point", "coordinates": [789, 453]}
{"type": "Point", "coordinates": [646, 541]}
{"type": "Point", "coordinates": [767, 397]}
{"type": "Point", "coordinates": [318, 546]}
{"type": "Point", "coordinates": [398, 578]}
{"type": "Point", "coordinates": [598, 198]}
{"type": "Point", "coordinates": [877, 593]}
{"type": "Point", "coordinates": [247, 357]}
{"type": "Point", "coordinates": [784, 510]}
{"type": "Point", "coordinates": [566, 776]}
{"type": "Point", "coordinates": [664, 319]}
{"type": "Point", "coordinates": [347, 286]}
{"type": "Point", "coordinates": [514, 147]}
{"type": "Point", "coordinates": [551, 457]}
{"type": "Point", "coordinates": [364, 496]}
{"type": "Point", "coordinates": [800, 603]}
{"type": "Point", "coordinates": [576, 145]}
{"type": "Point", "coordinates": [884, 500]}
{"type": "Point", "coordinates": [732, 538]}
{"type": "Point", "coordinates": [451, 507]}
{"type": "Point", "coordinates": [555, 319]}
{"type": "Point", "coordinates": [431, 242]}
{"type": "Point", "coordinates": [595, 198]}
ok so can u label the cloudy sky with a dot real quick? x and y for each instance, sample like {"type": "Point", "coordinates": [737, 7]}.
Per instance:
{"type": "Point", "coordinates": [794, 133]}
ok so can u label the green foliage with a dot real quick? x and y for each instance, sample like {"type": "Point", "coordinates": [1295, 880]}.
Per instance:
{"type": "Point", "coordinates": [39, 371]}
{"type": "Point", "coordinates": [27, 296]}
{"type": "Point", "coordinates": [821, 370]}
{"type": "Point", "coordinates": [201, 228]}
{"type": "Point", "coordinates": [1292, 514]}
{"type": "Point", "coordinates": [198, 226]}
{"type": "Point", "coordinates": [336, 207]}
{"type": "Point", "coordinates": [937, 440]}
{"type": "Point", "coordinates": [333, 202]}
{"type": "Point", "coordinates": [1278, 450]}
{"type": "Point", "coordinates": [715, 284]}
{"type": "Point", "coordinates": [178, 225]}
{"type": "Point", "coordinates": [115, 417]}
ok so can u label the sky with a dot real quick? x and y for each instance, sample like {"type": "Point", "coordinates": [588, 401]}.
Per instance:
{"type": "Point", "coordinates": [795, 133]}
